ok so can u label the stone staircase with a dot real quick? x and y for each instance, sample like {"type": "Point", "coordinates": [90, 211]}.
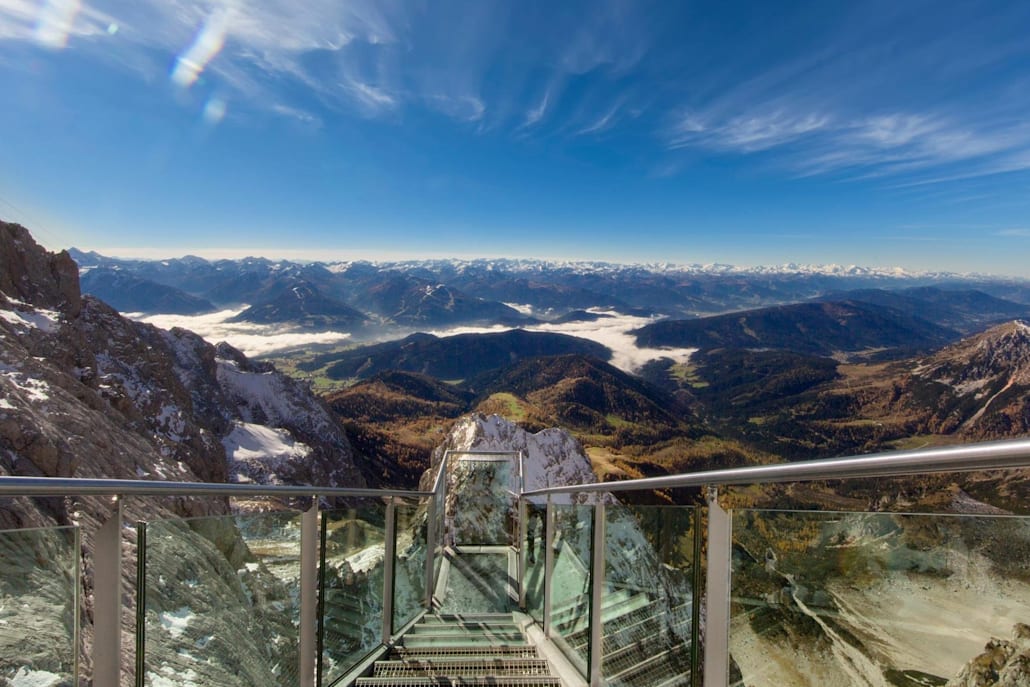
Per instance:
{"type": "Point", "coordinates": [487, 649]}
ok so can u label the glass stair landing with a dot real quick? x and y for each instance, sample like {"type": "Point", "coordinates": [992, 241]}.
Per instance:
{"type": "Point", "coordinates": [481, 649]}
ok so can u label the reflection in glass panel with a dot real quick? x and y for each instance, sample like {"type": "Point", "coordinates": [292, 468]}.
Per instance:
{"type": "Point", "coordinates": [438, 536]}
{"type": "Point", "coordinates": [570, 581]}
{"type": "Point", "coordinates": [647, 608]}
{"type": "Point", "coordinates": [536, 515]}
{"type": "Point", "coordinates": [221, 600]}
{"type": "Point", "coordinates": [409, 572]}
{"type": "Point", "coordinates": [352, 585]}
{"type": "Point", "coordinates": [483, 505]}
{"type": "Point", "coordinates": [478, 583]}
{"type": "Point", "coordinates": [875, 598]}
{"type": "Point", "coordinates": [39, 583]}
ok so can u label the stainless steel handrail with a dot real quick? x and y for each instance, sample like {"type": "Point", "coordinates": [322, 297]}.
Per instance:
{"type": "Point", "coordinates": [72, 486]}
{"type": "Point", "coordinates": [996, 455]}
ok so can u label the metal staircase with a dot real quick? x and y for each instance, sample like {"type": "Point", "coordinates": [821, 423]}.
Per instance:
{"type": "Point", "coordinates": [486, 649]}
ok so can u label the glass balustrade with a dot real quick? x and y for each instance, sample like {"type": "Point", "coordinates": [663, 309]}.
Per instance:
{"type": "Point", "coordinates": [351, 583]}
{"type": "Point", "coordinates": [483, 507]}
{"type": "Point", "coordinates": [535, 557]}
{"type": "Point", "coordinates": [825, 598]}
{"type": "Point", "coordinates": [650, 553]}
{"type": "Point", "coordinates": [570, 583]}
{"type": "Point", "coordinates": [219, 600]}
{"type": "Point", "coordinates": [39, 602]}
{"type": "Point", "coordinates": [409, 569]}
{"type": "Point", "coordinates": [439, 533]}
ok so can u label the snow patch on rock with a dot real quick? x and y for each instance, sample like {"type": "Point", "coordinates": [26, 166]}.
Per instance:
{"type": "Point", "coordinates": [35, 678]}
{"type": "Point", "coordinates": [259, 453]}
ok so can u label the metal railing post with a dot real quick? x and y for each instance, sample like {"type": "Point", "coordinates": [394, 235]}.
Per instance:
{"type": "Point", "coordinates": [717, 594]}
{"type": "Point", "coordinates": [388, 565]}
{"type": "Point", "coordinates": [548, 563]}
{"type": "Point", "coordinates": [107, 600]}
{"type": "Point", "coordinates": [309, 545]}
{"type": "Point", "coordinates": [597, 565]}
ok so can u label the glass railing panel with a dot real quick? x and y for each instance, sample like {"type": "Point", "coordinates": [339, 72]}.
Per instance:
{"type": "Point", "coordinates": [351, 618]}
{"type": "Point", "coordinates": [220, 599]}
{"type": "Point", "coordinates": [824, 598]}
{"type": "Point", "coordinates": [535, 558]}
{"type": "Point", "coordinates": [439, 509]}
{"type": "Point", "coordinates": [479, 583]}
{"type": "Point", "coordinates": [483, 503]}
{"type": "Point", "coordinates": [648, 595]}
{"type": "Point", "coordinates": [39, 585]}
{"type": "Point", "coordinates": [409, 570]}
{"type": "Point", "coordinates": [570, 581]}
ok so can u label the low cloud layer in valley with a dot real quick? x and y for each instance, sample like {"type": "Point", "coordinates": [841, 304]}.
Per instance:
{"type": "Point", "coordinates": [252, 339]}
{"type": "Point", "coordinates": [611, 329]}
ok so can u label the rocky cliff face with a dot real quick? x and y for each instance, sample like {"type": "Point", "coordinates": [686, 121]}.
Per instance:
{"type": "Point", "coordinates": [980, 386]}
{"type": "Point", "coordinates": [553, 457]}
{"type": "Point", "coordinates": [88, 393]}
{"type": "Point", "coordinates": [85, 392]}
{"type": "Point", "coordinates": [1004, 663]}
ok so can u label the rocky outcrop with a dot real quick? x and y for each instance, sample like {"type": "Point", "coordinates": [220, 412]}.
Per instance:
{"type": "Point", "coordinates": [553, 457]}
{"type": "Point", "coordinates": [29, 274]}
{"type": "Point", "coordinates": [1004, 663]}
{"type": "Point", "coordinates": [85, 392]}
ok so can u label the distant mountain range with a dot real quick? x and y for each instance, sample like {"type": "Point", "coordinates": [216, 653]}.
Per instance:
{"type": "Point", "coordinates": [821, 328]}
{"type": "Point", "coordinates": [454, 357]}
{"type": "Point", "coordinates": [434, 293]}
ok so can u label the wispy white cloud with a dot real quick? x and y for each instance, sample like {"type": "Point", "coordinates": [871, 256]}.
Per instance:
{"type": "Point", "coordinates": [746, 133]}
{"type": "Point", "coordinates": [535, 114]}
{"type": "Point", "coordinates": [372, 98]}
{"type": "Point", "coordinates": [1019, 232]}
{"type": "Point", "coordinates": [467, 108]}
{"type": "Point", "coordinates": [50, 23]}
{"type": "Point", "coordinates": [892, 145]}
{"type": "Point", "coordinates": [603, 123]}
{"type": "Point", "coordinates": [296, 113]}
{"type": "Point", "coordinates": [367, 57]}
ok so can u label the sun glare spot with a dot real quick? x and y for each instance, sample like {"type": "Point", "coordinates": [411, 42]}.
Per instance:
{"type": "Point", "coordinates": [112, 29]}
{"type": "Point", "coordinates": [214, 110]}
{"type": "Point", "coordinates": [56, 18]}
{"type": "Point", "coordinates": [206, 45]}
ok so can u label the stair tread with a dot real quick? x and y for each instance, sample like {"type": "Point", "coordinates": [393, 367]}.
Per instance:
{"type": "Point", "coordinates": [462, 667]}
{"type": "Point", "coordinates": [524, 650]}
{"type": "Point", "coordinates": [509, 681]}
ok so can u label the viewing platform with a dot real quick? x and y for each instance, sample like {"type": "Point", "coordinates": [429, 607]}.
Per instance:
{"type": "Point", "coordinates": [480, 581]}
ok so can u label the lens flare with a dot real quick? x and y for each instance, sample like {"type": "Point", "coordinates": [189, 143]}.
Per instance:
{"type": "Point", "coordinates": [206, 45]}
{"type": "Point", "coordinates": [214, 110]}
{"type": "Point", "coordinates": [56, 18]}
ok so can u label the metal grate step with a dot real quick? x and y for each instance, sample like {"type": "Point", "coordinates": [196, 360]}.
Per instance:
{"type": "Point", "coordinates": [461, 667]}
{"type": "Point", "coordinates": [519, 681]}
{"type": "Point", "coordinates": [433, 652]}
{"type": "Point", "coordinates": [459, 641]}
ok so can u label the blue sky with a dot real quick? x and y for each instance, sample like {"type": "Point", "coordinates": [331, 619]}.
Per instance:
{"type": "Point", "coordinates": [871, 133]}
